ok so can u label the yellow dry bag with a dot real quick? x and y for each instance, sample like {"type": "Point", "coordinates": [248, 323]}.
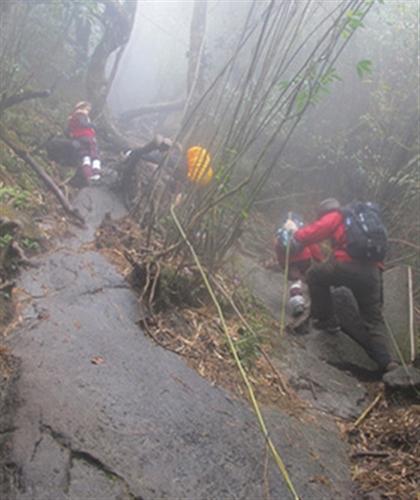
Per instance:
{"type": "Point", "coordinates": [199, 169]}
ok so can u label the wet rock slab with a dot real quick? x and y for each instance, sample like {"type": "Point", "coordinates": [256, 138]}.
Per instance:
{"type": "Point", "coordinates": [404, 377]}
{"type": "Point", "coordinates": [320, 366]}
{"type": "Point", "coordinates": [106, 413]}
{"type": "Point", "coordinates": [327, 388]}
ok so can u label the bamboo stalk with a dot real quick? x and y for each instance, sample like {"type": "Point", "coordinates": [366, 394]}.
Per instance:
{"type": "Point", "coordinates": [250, 390]}
{"type": "Point", "coordinates": [285, 289]}
{"type": "Point", "coordinates": [411, 315]}
{"type": "Point", "coordinates": [258, 111]}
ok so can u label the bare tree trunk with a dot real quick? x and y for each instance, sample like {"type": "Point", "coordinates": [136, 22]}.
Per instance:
{"type": "Point", "coordinates": [8, 102]}
{"type": "Point", "coordinates": [197, 33]}
{"type": "Point", "coordinates": [118, 20]}
{"type": "Point", "coordinates": [161, 107]}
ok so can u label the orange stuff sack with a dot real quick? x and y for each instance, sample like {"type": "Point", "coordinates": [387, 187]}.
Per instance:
{"type": "Point", "coordinates": [199, 169]}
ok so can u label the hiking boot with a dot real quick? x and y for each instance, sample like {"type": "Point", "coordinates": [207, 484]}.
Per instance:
{"type": "Point", "coordinates": [329, 325]}
{"type": "Point", "coordinates": [96, 170]}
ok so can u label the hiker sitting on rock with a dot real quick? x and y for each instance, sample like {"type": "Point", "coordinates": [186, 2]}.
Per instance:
{"type": "Point", "coordinates": [355, 263]}
{"type": "Point", "coordinates": [81, 129]}
{"type": "Point", "coordinates": [299, 262]}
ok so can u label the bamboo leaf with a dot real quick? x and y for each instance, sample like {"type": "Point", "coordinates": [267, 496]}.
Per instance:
{"type": "Point", "coordinates": [364, 67]}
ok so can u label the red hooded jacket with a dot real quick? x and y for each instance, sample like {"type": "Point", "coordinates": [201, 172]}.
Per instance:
{"type": "Point", "coordinates": [329, 226]}
{"type": "Point", "coordinates": [79, 125]}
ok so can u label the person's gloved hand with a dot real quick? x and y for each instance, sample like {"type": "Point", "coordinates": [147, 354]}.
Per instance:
{"type": "Point", "coordinates": [290, 226]}
{"type": "Point", "coordinates": [162, 143]}
{"type": "Point", "coordinates": [166, 144]}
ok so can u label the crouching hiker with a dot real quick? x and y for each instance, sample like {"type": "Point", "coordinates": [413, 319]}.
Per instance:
{"type": "Point", "coordinates": [193, 167]}
{"type": "Point", "coordinates": [82, 130]}
{"type": "Point", "coordinates": [358, 240]}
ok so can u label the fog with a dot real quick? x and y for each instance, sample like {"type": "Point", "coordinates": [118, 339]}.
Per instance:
{"type": "Point", "coordinates": [319, 97]}
{"type": "Point", "coordinates": [154, 64]}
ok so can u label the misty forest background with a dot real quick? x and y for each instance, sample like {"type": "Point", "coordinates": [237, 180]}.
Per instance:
{"type": "Point", "coordinates": [296, 101]}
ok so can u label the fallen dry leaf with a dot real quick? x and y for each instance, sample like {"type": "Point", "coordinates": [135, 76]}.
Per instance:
{"type": "Point", "coordinates": [97, 360]}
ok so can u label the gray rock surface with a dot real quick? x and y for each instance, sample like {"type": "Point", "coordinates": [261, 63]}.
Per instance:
{"type": "Point", "coordinates": [320, 366]}
{"type": "Point", "coordinates": [266, 285]}
{"type": "Point", "coordinates": [315, 380]}
{"type": "Point", "coordinates": [107, 414]}
{"type": "Point", "coordinates": [404, 377]}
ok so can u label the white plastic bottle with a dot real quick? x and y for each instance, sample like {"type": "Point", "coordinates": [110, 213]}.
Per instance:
{"type": "Point", "coordinates": [296, 302]}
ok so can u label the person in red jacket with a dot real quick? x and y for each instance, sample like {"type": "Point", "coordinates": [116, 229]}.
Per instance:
{"type": "Point", "coordinates": [80, 128]}
{"type": "Point", "coordinates": [364, 279]}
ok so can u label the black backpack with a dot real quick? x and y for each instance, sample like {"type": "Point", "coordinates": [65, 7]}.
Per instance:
{"type": "Point", "coordinates": [365, 232]}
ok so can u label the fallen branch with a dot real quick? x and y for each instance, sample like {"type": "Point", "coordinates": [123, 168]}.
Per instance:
{"type": "Point", "coordinates": [143, 324]}
{"type": "Point", "coordinates": [17, 250]}
{"type": "Point", "coordinates": [8, 102]}
{"type": "Point", "coordinates": [7, 286]}
{"type": "Point", "coordinates": [406, 243]}
{"type": "Point", "coordinates": [48, 181]}
{"type": "Point", "coordinates": [368, 410]}
{"type": "Point", "coordinates": [148, 109]}
{"type": "Point", "coordinates": [362, 454]}
{"type": "Point", "coordinates": [278, 374]}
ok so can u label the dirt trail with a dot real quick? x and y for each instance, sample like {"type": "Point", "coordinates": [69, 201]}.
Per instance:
{"type": "Point", "coordinates": [104, 413]}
